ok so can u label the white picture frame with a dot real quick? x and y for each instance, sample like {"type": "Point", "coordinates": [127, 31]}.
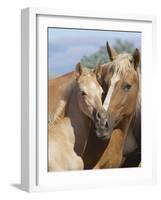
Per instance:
{"type": "Point", "coordinates": [34, 175]}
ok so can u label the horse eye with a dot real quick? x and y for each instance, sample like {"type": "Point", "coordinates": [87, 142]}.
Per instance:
{"type": "Point", "coordinates": [131, 61]}
{"type": "Point", "coordinates": [127, 87]}
{"type": "Point", "coordinates": [83, 93]}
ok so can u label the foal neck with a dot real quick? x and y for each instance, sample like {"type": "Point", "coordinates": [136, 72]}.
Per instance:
{"type": "Point", "coordinates": [80, 123]}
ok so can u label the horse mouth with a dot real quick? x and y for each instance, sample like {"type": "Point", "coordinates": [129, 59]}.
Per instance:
{"type": "Point", "coordinates": [105, 135]}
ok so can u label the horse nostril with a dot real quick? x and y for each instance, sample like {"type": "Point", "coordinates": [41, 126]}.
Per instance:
{"type": "Point", "coordinates": [98, 116]}
{"type": "Point", "coordinates": [106, 125]}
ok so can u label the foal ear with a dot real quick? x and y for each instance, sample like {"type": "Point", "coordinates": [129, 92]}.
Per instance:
{"type": "Point", "coordinates": [136, 58]}
{"type": "Point", "coordinates": [98, 71]}
{"type": "Point", "coordinates": [111, 52]}
{"type": "Point", "coordinates": [79, 70]}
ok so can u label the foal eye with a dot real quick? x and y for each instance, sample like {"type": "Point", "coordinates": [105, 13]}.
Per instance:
{"type": "Point", "coordinates": [126, 87]}
{"type": "Point", "coordinates": [131, 61]}
{"type": "Point", "coordinates": [83, 93]}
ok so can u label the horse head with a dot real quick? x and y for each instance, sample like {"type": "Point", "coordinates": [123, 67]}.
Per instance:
{"type": "Point", "coordinates": [120, 80]}
{"type": "Point", "coordinates": [89, 92]}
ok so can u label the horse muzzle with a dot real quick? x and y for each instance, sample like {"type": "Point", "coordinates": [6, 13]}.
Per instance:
{"type": "Point", "coordinates": [103, 134]}
{"type": "Point", "coordinates": [105, 124]}
{"type": "Point", "coordinates": [102, 129]}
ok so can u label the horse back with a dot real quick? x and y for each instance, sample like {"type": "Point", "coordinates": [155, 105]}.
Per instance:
{"type": "Point", "coordinates": [59, 90]}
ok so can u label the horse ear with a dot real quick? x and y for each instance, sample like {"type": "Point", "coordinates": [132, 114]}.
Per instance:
{"type": "Point", "coordinates": [136, 58]}
{"type": "Point", "coordinates": [111, 52]}
{"type": "Point", "coordinates": [98, 71]}
{"type": "Point", "coordinates": [78, 70]}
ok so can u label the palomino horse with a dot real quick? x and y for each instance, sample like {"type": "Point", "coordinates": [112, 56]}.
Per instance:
{"type": "Point", "coordinates": [120, 80]}
{"type": "Point", "coordinates": [59, 91]}
{"type": "Point", "coordinates": [122, 103]}
{"type": "Point", "coordinates": [84, 102]}
{"type": "Point", "coordinates": [61, 147]}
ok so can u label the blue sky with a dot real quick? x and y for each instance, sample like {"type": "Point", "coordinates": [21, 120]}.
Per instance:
{"type": "Point", "coordinates": [67, 46]}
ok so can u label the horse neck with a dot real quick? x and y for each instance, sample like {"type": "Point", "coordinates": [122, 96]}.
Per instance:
{"type": "Point", "coordinates": [136, 119]}
{"type": "Point", "coordinates": [133, 139]}
{"type": "Point", "coordinates": [80, 123]}
{"type": "Point", "coordinates": [125, 124]}
{"type": "Point", "coordinates": [135, 124]}
{"type": "Point", "coordinates": [131, 125]}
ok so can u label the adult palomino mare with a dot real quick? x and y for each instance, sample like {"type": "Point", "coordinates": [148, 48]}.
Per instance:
{"type": "Point", "coordinates": [120, 80]}
{"type": "Point", "coordinates": [82, 97]}
{"type": "Point", "coordinates": [122, 104]}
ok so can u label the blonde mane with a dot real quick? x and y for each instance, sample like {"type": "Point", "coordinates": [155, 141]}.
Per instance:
{"type": "Point", "coordinates": [120, 65]}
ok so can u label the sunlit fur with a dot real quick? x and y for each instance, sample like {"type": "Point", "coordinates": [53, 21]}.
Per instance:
{"type": "Point", "coordinates": [68, 136]}
{"type": "Point", "coordinates": [121, 79]}
{"type": "Point", "coordinates": [61, 154]}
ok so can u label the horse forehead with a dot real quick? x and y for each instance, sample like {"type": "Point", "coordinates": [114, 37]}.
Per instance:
{"type": "Point", "coordinates": [130, 75]}
{"type": "Point", "coordinates": [115, 78]}
{"type": "Point", "coordinates": [122, 69]}
{"type": "Point", "coordinates": [90, 86]}
{"type": "Point", "coordinates": [122, 63]}
{"type": "Point", "coordinates": [124, 57]}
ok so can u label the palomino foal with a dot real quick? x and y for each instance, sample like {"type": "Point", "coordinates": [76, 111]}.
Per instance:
{"type": "Point", "coordinates": [121, 103]}
{"type": "Point", "coordinates": [61, 147]}
{"type": "Point", "coordinates": [68, 136]}
{"type": "Point", "coordinates": [83, 106]}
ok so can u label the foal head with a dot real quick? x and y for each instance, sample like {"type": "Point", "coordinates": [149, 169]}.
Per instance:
{"type": "Point", "coordinates": [121, 78]}
{"type": "Point", "coordinates": [89, 91]}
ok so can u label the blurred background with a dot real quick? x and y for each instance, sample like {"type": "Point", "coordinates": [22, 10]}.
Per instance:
{"type": "Point", "coordinates": [67, 47]}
